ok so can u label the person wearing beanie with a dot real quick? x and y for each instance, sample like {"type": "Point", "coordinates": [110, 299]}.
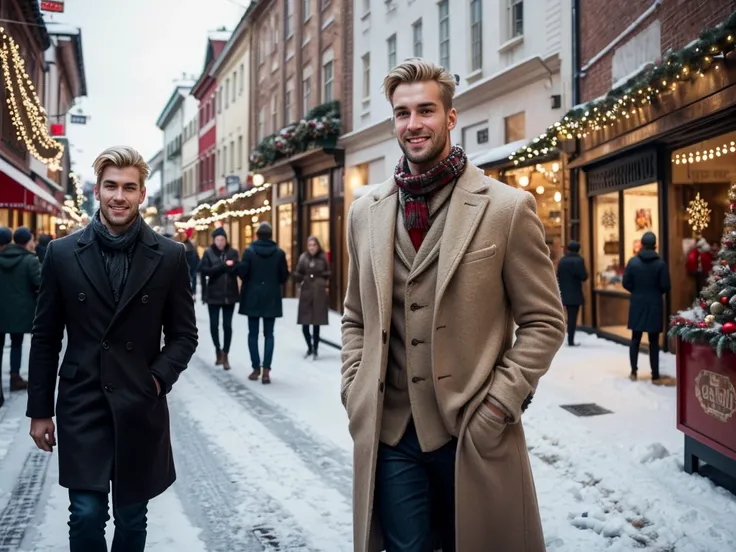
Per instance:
{"type": "Point", "coordinates": [263, 271]}
{"type": "Point", "coordinates": [571, 274]}
{"type": "Point", "coordinates": [220, 292]}
{"type": "Point", "coordinates": [647, 279]}
{"type": "Point", "coordinates": [20, 276]}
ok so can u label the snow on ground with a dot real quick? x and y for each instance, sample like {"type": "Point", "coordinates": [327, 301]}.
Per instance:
{"type": "Point", "coordinates": [269, 467]}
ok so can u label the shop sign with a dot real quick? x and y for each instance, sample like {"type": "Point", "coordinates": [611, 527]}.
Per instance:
{"type": "Point", "coordinates": [232, 184]}
{"type": "Point", "coordinates": [716, 395]}
{"type": "Point", "coordinates": [79, 119]}
{"type": "Point", "coordinates": [57, 129]}
{"type": "Point", "coordinates": [56, 6]}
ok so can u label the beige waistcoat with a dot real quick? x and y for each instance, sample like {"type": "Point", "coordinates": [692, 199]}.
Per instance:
{"type": "Point", "coordinates": [409, 386]}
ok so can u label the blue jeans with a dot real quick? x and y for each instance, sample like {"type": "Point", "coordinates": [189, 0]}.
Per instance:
{"type": "Point", "coordinates": [16, 351]}
{"type": "Point", "coordinates": [415, 495]}
{"type": "Point", "coordinates": [89, 515]}
{"type": "Point", "coordinates": [253, 325]}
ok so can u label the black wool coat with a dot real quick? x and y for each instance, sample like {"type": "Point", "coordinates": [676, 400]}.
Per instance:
{"type": "Point", "coordinates": [647, 278]}
{"type": "Point", "coordinates": [222, 280]}
{"type": "Point", "coordinates": [20, 275]}
{"type": "Point", "coordinates": [264, 271]}
{"type": "Point", "coordinates": [111, 424]}
{"type": "Point", "coordinates": [571, 274]}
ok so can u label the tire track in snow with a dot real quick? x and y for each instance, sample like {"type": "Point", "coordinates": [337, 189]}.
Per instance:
{"type": "Point", "coordinates": [276, 471]}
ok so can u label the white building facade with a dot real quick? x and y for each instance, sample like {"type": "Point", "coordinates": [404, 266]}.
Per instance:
{"type": "Point", "coordinates": [509, 57]}
{"type": "Point", "coordinates": [171, 122]}
{"type": "Point", "coordinates": [190, 154]}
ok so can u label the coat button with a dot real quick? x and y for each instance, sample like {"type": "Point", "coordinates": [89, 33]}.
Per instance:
{"type": "Point", "coordinates": [109, 388]}
{"type": "Point", "coordinates": [415, 307]}
{"type": "Point", "coordinates": [81, 297]}
{"type": "Point", "coordinates": [105, 345]}
{"type": "Point", "coordinates": [144, 299]}
{"type": "Point", "coordinates": [129, 346]}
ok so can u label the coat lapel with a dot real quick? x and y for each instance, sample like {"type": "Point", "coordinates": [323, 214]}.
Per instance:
{"type": "Point", "coordinates": [142, 266]}
{"type": "Point", "coordinates": [90, 261]}
{"type": "Point", "coordinates": [381, 237]}
{"type": "Point", "coordinates": [465, 212]}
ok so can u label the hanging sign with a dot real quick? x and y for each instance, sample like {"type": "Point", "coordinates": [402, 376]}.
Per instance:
{"type": "Point", "coordinates": [56, 6]}
{"type": "Point", "coordinates": [79, 119]}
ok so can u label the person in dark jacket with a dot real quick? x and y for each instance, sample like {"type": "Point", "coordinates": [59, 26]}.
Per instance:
{"type": "Point", "coordinates": [115, 287]}
{"type": "Point", "coordinates": [313, 271]}
{"type": "Point", "coordinates": [647, 278]}
{"type": "Point", "coordinates": [219, 265]}
{"type": "Point", "coordinates": [571, 274]}
{"type": "Point", "coordinates": [43, 243]}
{"type": "Point", "coordinates": [264, 271]}
{"type": "Point", "coordinates": [20, 276]}
{"type": "Point", "coordinates": [192, 257]}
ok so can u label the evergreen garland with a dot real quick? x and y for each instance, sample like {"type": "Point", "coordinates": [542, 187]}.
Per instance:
{"type": "Point", "coordinates": [684, 65]}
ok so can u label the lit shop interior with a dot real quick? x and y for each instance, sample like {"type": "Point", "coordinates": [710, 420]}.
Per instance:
{"type": "Point", "coordinates": [545, 182]}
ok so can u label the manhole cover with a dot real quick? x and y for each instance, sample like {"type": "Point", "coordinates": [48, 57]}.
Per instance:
{"type": "Point", "coordinates": [589, 409]}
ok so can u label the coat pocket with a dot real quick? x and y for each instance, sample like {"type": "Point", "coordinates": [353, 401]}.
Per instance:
{"type": "Point", "coordinates": [486, 432]}
{"type": "Point", "coordinates": [480, 254]}
{"type": "Point", "coordinates": [68, 370]}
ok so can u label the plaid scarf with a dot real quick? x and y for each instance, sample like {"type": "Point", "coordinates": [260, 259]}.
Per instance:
{"type": "Point", "coordinates": [415, 189]}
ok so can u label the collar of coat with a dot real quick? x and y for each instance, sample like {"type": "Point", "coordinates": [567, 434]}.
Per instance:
{"type": "Point", "coordinates": [146, 236]}
{"type": "Point", "coordinates": [473, 180]}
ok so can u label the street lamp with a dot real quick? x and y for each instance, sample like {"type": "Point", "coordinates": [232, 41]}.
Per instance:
{"type": "Point", "coordinates": [258, 180]}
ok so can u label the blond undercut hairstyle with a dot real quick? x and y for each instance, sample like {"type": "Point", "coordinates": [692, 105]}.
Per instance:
{"type": "Point", "coordinates": [121, 157]}
{"type": "Point", "coordinates": [420, 70]}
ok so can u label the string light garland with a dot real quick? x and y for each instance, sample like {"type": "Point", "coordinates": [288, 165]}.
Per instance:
{"type": "Point", "coordinates": [621, 103]}
{"type": "Point", "coordinates": [26, 112]}
{"type": "Point", "coordinates": [698, 214]}
{"type": "Point", "coordinates": [231, 200]}
{"type": "Point", "coordinates": [203, 222]}
{"type": "Point", "coordinates": [704, 155]}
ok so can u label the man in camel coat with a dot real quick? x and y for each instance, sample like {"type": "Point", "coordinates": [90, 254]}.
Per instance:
{"type": "Point", "coordinates": [444, 262]}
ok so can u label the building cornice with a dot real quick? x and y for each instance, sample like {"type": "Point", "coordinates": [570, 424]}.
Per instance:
{"type": "Point", "coordinates": [368, 136]}
{"type": "Point", "coordinates": [176, 99]}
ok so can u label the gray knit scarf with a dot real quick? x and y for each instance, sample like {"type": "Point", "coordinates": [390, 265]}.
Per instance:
{"type": "Point", "coordinates": [117, 251]}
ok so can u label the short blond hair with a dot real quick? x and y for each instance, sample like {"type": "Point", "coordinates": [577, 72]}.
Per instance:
{"type": "Point", "coordinates": [121, 157]}
{"type": "Point", "coordinates": [420, 70]}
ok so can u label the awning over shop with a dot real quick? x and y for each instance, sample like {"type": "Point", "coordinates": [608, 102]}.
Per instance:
{"type": "Point", "coordinates": [175, 212]}
{"type": "Point", "coordinates": [19, 191]}
{"type": "Point", "coordinates": [495, 155]}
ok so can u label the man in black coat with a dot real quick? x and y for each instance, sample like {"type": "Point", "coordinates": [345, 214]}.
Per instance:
{"type": "Point", "coordinates": [113, 287]}
{"type": "Point", "coordinates": [264, 271]}
{"type": "Point", "coordinates": [648, 279]}
{"type": "Point", "coordinates": [571, 274]}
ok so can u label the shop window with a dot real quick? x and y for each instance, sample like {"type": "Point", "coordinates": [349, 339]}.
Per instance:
{"type": "Point", "coordinates": [608, 271]}
{"type": "Point", "coordinates": [319, 224]}
{"type": "Point", "coordinates": [285, 189]}
{"type": "Point", "coordinates": [319, 186]}
{"type": "Point", "coordinates": [515, 127]}
{"type": "Point", "coordinates": [285, 231]}
{"type": "Point", "coordinates": [640, 216]}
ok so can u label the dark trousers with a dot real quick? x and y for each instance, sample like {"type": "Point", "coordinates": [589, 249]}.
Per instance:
{"type": "Point", "coordinates": [16, 350]}
{"type": "Point", "coordinates": [415, 495]}
{"type": "Point", "coordinates": [253, 325]}
{"type": "Point", "coordinates": [227, 325]}
{"type": "Point", "coordinates": [313, 339]}
{"type": "Point", "coordinates": [572, 322]}
{"type": "Point", "coordinates": [89, 515]}
{"type": "Point", "coordinates": [653, 352]}
{"type": "Point", "coordinates": [193, 277]}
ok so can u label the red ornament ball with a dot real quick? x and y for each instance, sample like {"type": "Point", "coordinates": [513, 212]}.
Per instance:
{"type": "Point", "coordinates": [703, 305]}
{"type": "Point", "coordinates": [728, 328]}
{"type": "Point", "coordinates": [724, 300]}
{"type": "Point", "coordinates": [733, 206]}
{"type": "Point", "coordinates": [702, 324]}
{"type": "Point", "coordinates": [724, 262]}
{"type": "Point", "coordinates": [728, 243]}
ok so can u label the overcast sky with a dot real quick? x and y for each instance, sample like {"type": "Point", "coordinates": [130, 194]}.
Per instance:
{"type": "Point", "coordinates": [134, 50]}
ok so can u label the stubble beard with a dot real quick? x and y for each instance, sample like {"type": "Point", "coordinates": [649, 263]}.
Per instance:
{"type": "Point", "coordinates": [118, 227]}
{"type": "Point", "coordinates": [433, 155]}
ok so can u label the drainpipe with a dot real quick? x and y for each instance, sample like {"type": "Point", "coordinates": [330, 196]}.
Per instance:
{"type": "Point", "coordinates": [575, 173]}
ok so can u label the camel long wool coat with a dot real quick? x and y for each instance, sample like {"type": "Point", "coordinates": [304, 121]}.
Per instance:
{"type": "Point", "coordinates": [494, 270]}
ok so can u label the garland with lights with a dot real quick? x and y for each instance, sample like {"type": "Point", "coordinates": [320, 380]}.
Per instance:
{"type": "Point", "coordinates": [322, 122]}
{"type": "Point", "coordinates": [209, 213]}
{"type": "Point", "coordinates": [681, 66]}
{"type": "Point", "coordinates": [26, 112]}
{"type": "Point", "coordinates": [712, 318]}
{"type": "Point", "coordinates": [698, 214]}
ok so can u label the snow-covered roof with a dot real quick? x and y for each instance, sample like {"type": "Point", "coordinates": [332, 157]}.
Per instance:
{"type": "Point", "coordinates": [220, 35]}
{"type": "Point", "coordinates": [492, 155]}
{"type": "Point", "coordinates": [55, 28]}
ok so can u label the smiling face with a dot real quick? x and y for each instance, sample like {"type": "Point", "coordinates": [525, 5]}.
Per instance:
{"type": "Point", "coordinates": [422, 124]}
{"type": "Point", "coordinates": [120, 194]}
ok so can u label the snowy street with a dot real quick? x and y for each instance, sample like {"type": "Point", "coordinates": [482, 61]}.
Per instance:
{"type": "Point", "coordinates": [269, 467]}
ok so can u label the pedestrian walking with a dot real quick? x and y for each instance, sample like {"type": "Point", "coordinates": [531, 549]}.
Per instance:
{"type": "Point", "coordinates": [114, 287]}
{"type": "Point", "coordinates": [219, 266]}
{"type": "Point", "coordinates": [264, 271]}
{"type": "Point", "coordinates": [647, 279]}
{"type": "Point", "coordinates": [20, 276]}
{"type": "Point", "coordinates": [433, 386]}
{"type": "Point", "coordinates": [192, 257]}
{"type": "Point", "coordinates": [42, 245]}
{"type": "Point", "coordinates": [313, 273]}
{"type": "Point", "coordinates": [571, 274]}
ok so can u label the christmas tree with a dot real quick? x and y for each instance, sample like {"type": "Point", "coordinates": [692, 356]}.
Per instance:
{"type": "Point", "coordinates": [712, 318]}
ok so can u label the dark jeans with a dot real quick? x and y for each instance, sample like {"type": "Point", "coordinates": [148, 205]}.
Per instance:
{"type": "Point", "coordinates": [415, 495]}
{"type": "Point", "coordinates": [16, 349]}
{"type": "Point", "coordinates": [253, 325]}
{"type": "Point", "coordinates": [89, 515]}
{"type": "Point", "coordinates": [653, 352]}
{"type": "Point", "coordinates": [193, 277]}
{"type": "Point", "coordinates": [312, 340]}
{"type": "Point", "coordinates": [227, 325]}
{"type": "Point", "coordinates": [572, 322]}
